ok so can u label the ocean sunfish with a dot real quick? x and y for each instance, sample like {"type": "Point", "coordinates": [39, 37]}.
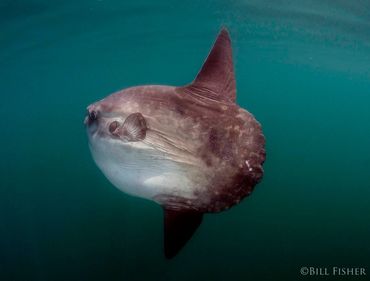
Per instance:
{"type": "Point", "coordinates": [191, 149]}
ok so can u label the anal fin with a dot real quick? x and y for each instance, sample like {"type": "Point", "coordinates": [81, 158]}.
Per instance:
{"type": "Point", "coordinates": [179, 227]}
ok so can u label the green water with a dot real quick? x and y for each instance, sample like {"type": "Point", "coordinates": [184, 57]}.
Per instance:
{"type": "Point", "coordinates": [302, 68]}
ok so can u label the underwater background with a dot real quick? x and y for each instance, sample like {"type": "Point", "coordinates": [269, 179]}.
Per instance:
{"type": "Point", "coordinates": [302, 68]}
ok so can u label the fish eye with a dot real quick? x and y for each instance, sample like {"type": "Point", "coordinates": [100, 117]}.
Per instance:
{"type": "Point", "coordinates": [113, 127]}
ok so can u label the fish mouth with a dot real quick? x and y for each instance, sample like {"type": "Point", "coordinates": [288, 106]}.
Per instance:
{"type": "Point", "coordinates": [91, 116]}
{"type": "Point", "coordinates": [91, 120]}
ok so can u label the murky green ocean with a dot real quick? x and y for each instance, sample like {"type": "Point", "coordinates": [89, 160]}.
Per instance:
{"type": "Point", "coordinates": [302, 68]}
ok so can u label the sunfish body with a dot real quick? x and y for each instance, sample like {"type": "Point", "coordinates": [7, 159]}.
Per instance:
{"type": "Point", "coordinates": [191, 149]}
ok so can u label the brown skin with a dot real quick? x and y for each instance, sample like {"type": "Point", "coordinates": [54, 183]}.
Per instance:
{"type": "Point", "coordinates": [207, 151]}
{"type": "Point", "coordinates": [217, 137]}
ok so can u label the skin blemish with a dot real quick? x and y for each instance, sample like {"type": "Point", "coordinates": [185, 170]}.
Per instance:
{"type": "Point", "coordinates": [249, 166]}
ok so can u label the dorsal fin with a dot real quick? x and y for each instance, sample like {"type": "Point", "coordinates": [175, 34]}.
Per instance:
{"type": "Point", "coordinates": [216, 78]}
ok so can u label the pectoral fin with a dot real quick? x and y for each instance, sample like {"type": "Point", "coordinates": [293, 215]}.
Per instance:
{"type": "Point", "coordinates": [134, 128]}
{"type": "Point", "coordinates": [179, 227]}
